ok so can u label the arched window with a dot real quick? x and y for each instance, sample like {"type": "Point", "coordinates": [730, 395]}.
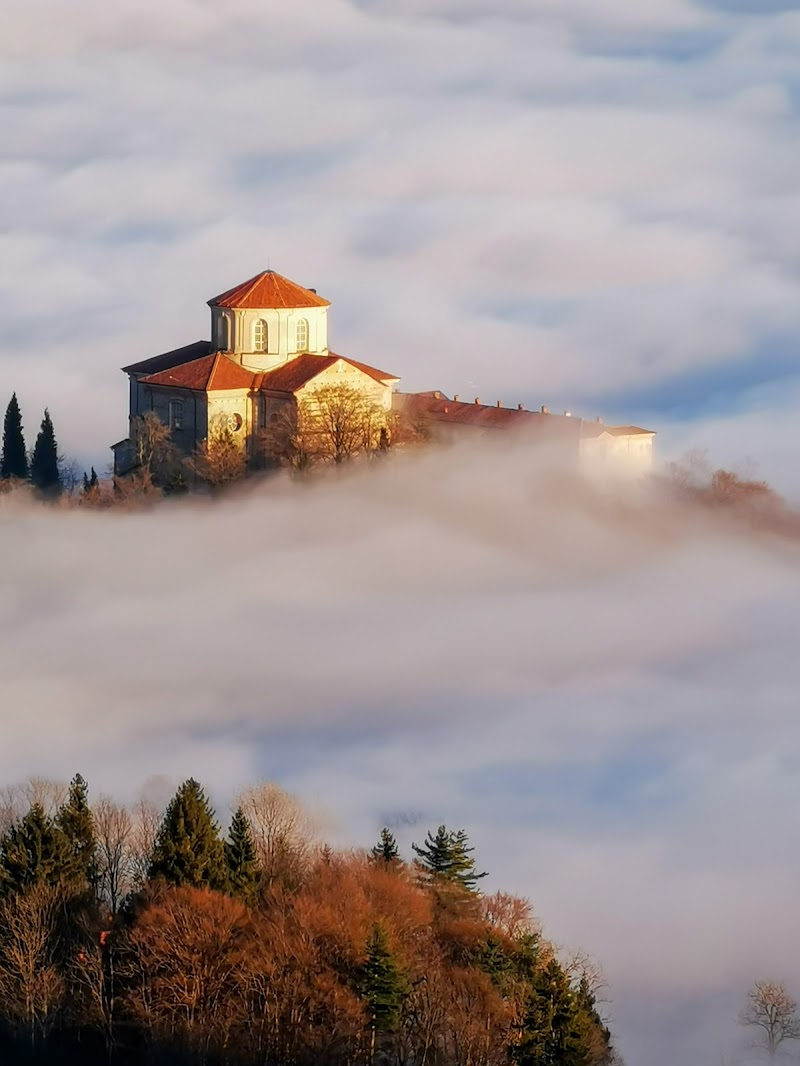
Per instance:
{"type": "Point", "coordinates": [224, 333]}
{"type": "Point", "coordinates": [260, 336]}
{"type": "Point", "coordinates": [302, 335]}
{"type": "Point", "coordinates": [176, 414]}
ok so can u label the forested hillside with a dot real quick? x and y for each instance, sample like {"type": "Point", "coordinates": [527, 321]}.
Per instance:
{"type": "Point", "coordinates": [133, 935]}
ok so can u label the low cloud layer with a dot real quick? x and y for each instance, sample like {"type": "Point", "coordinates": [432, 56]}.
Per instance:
{"type": "Point", "coordinates": [601, 688]}
{"type": "Point", "coordinates": [584, 205]}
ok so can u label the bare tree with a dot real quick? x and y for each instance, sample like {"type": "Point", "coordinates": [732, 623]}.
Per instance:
{"type": "Point", "coordinates": [31, 987]}
{"type": "Point", "coordinates": [70, 474]}
{"type": "Point", "coordinates": [146, 818]}
{"type": "Point", "coordinates": [220, 459]}
{"type": "Point", "coordinates": [115, 836]}
{"type": "Point", "coordinates": [16, 800]}
{"type": "Point", "coordinates": [772, 1013]}
{"type": "Point", "coordinates": [511, 915]}
{"type": "Point", "coordinates": [152, 445]}
{"type": "Point", "coordinates": [284, 831]}
{"type": "Point", "coordinates": [580, 966]}
{"type": "Point", "coordinates": [283, 442]}
{"type": "Point", "coordinates": [339, 421]}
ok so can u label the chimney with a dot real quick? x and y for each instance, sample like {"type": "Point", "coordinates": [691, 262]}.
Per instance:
{"type": "Point", "coordinates": [455, 397]}
{"type": "Point", "coordinates": [477, 400]}
{"type": "Point", "coordinates": [568, 414]}
{"type": "Point", "coordinates": [499, 403]}
{"type": "Point", "coordinates": [437, 395]}
{"type": "Point", "coordinates": [520, 407]}
{"type": "Point", "coordinates": [312, 290]}
{"type": "Point", "coordinates": [600, 419]}
{"type": "Point", "coordinates": [545, 410]}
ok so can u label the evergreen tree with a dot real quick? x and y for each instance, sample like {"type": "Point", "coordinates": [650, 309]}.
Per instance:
{"type": "Point", "coordinates": [448, 857]}
{"type": "Point", "coordinates": [32, 852]}
{"type": "Point", "coordinates": [45, 474]}
{"type": "Point", "coordinates": [188, 850]}
{"type": "Point", "coordinates": [14, 461]}
{"type": "Point", "coordinates": [382, 985]}
{"type": "Point", "coordinates": [240, 859]}
{"type": "Point", "coordinates": [90, 483]}
{"type": "Point", "coordinates": [75, 821]}
{"type": "Point", "coordinates": [597, 1035]}
{"type": "Point", "coordinates": [386, 849]}
{"type": "Point", "coordinates": [554, 1032]}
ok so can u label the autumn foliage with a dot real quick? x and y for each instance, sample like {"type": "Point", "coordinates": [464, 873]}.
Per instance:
{"type": "Point", "coordinates": [332, 957]}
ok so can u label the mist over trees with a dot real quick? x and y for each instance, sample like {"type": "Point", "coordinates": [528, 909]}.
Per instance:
{"type": "Point", "coordinates": [131, 935]}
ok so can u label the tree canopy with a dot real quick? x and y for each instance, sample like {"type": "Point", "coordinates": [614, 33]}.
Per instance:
{"type": "Point", "coordinates": [45, 473]}
{"type": "Point", "coordinates": [188, 849]}
{"type": "Point", "coordinates": [14, 460]}
{"type": "Point", "coordinates": [447, 856]}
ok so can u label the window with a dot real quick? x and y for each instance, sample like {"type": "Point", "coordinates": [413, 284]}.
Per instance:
{"type": "Point", "coordinates": [176, 414]}
{"type": "Point", "coordinates": [261, 412]}
{"type": "Point", "coordinates": [260, 336]}
{"type": "Point", "coordinates": [302, 335]}
{"type": "Point", "coordinates": [224, 333]}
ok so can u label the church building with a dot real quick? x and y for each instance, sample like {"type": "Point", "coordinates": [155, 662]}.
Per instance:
{"type": "Point", "coordinates": [269, 349]}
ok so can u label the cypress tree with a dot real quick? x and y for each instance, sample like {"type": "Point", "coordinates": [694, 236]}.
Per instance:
{"type": "Point", "coordinates": [188, 849]}
{"type": "Point", "coordinates": [382, 985]}
{"type": "Point", "coordinates": [386, 849]}
{"type": "Point", "coordinates": [448, 857]}
{"type": "Point", "coordinates": [240, 859]}
{"type": "Point", "coordinates": [45, 474]}
{"type": "Point", "coordinates": [75, 821]}
{"type": "Point", "coordinates": [32, 852]}
{"type": "Point", "coordinates": [14, 461]}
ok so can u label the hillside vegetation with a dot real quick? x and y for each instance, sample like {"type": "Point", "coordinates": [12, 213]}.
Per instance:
{"type": "Point", "coordinates": [138, 936]}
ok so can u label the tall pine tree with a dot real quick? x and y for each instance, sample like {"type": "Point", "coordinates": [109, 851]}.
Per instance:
{"type": "Point", "coordinates": [447, 856]}
{"type": "Point", "coordinates": [386, 849]}
{"type": "Point", "coordinates": [383, 987]}
{"type": "Point", "coordinates": [14, 461]}
{"type": "Point", "coordinates": [45, 474]}
{"type": "Point", "coordinates": [554, 1030]}
{"type": "Point", "coordinates": [75, 821]}
{"type": "Point", "coordinates": [240, 859]}
{"type": "Point", "coordinates": [188, 849]}
{"type": "Point", "coordinates": [32, 852]}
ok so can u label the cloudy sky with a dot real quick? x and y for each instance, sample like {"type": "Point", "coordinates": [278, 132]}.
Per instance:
{"type": "Point", "coordinates": [586, 203]}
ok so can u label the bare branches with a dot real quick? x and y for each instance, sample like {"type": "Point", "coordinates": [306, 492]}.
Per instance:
{"type": "Point", "coordinates": [31, 987]}
{"type": "Point", "coordinates": [339, 421]}
{"type": "Point", "coordinates": [114, 834]}
{"type": "Point", "coordinates": [220, 459]}
{"type": "Point", "coordinates": [772, 1013]}
{"type": "Point", "coordinates": [284, 832]}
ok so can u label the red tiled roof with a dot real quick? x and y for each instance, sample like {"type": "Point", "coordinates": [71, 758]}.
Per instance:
{"type": "Point", "coordinates": [169, 359]}
{"type": "Point", "coordinates": [212, 373]}
{"type": "Point", "coordinates": [441, 409]}
{"type": "Point", "coordinates": [268, 289]}
{"type": "Point", "coordinates": [296, 373]}
{"type": "Point", "coordinates": [292, 376]}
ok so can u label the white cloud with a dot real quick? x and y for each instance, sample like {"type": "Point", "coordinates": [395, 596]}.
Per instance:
{"type": "Point", "coordinates": [600, 689]}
